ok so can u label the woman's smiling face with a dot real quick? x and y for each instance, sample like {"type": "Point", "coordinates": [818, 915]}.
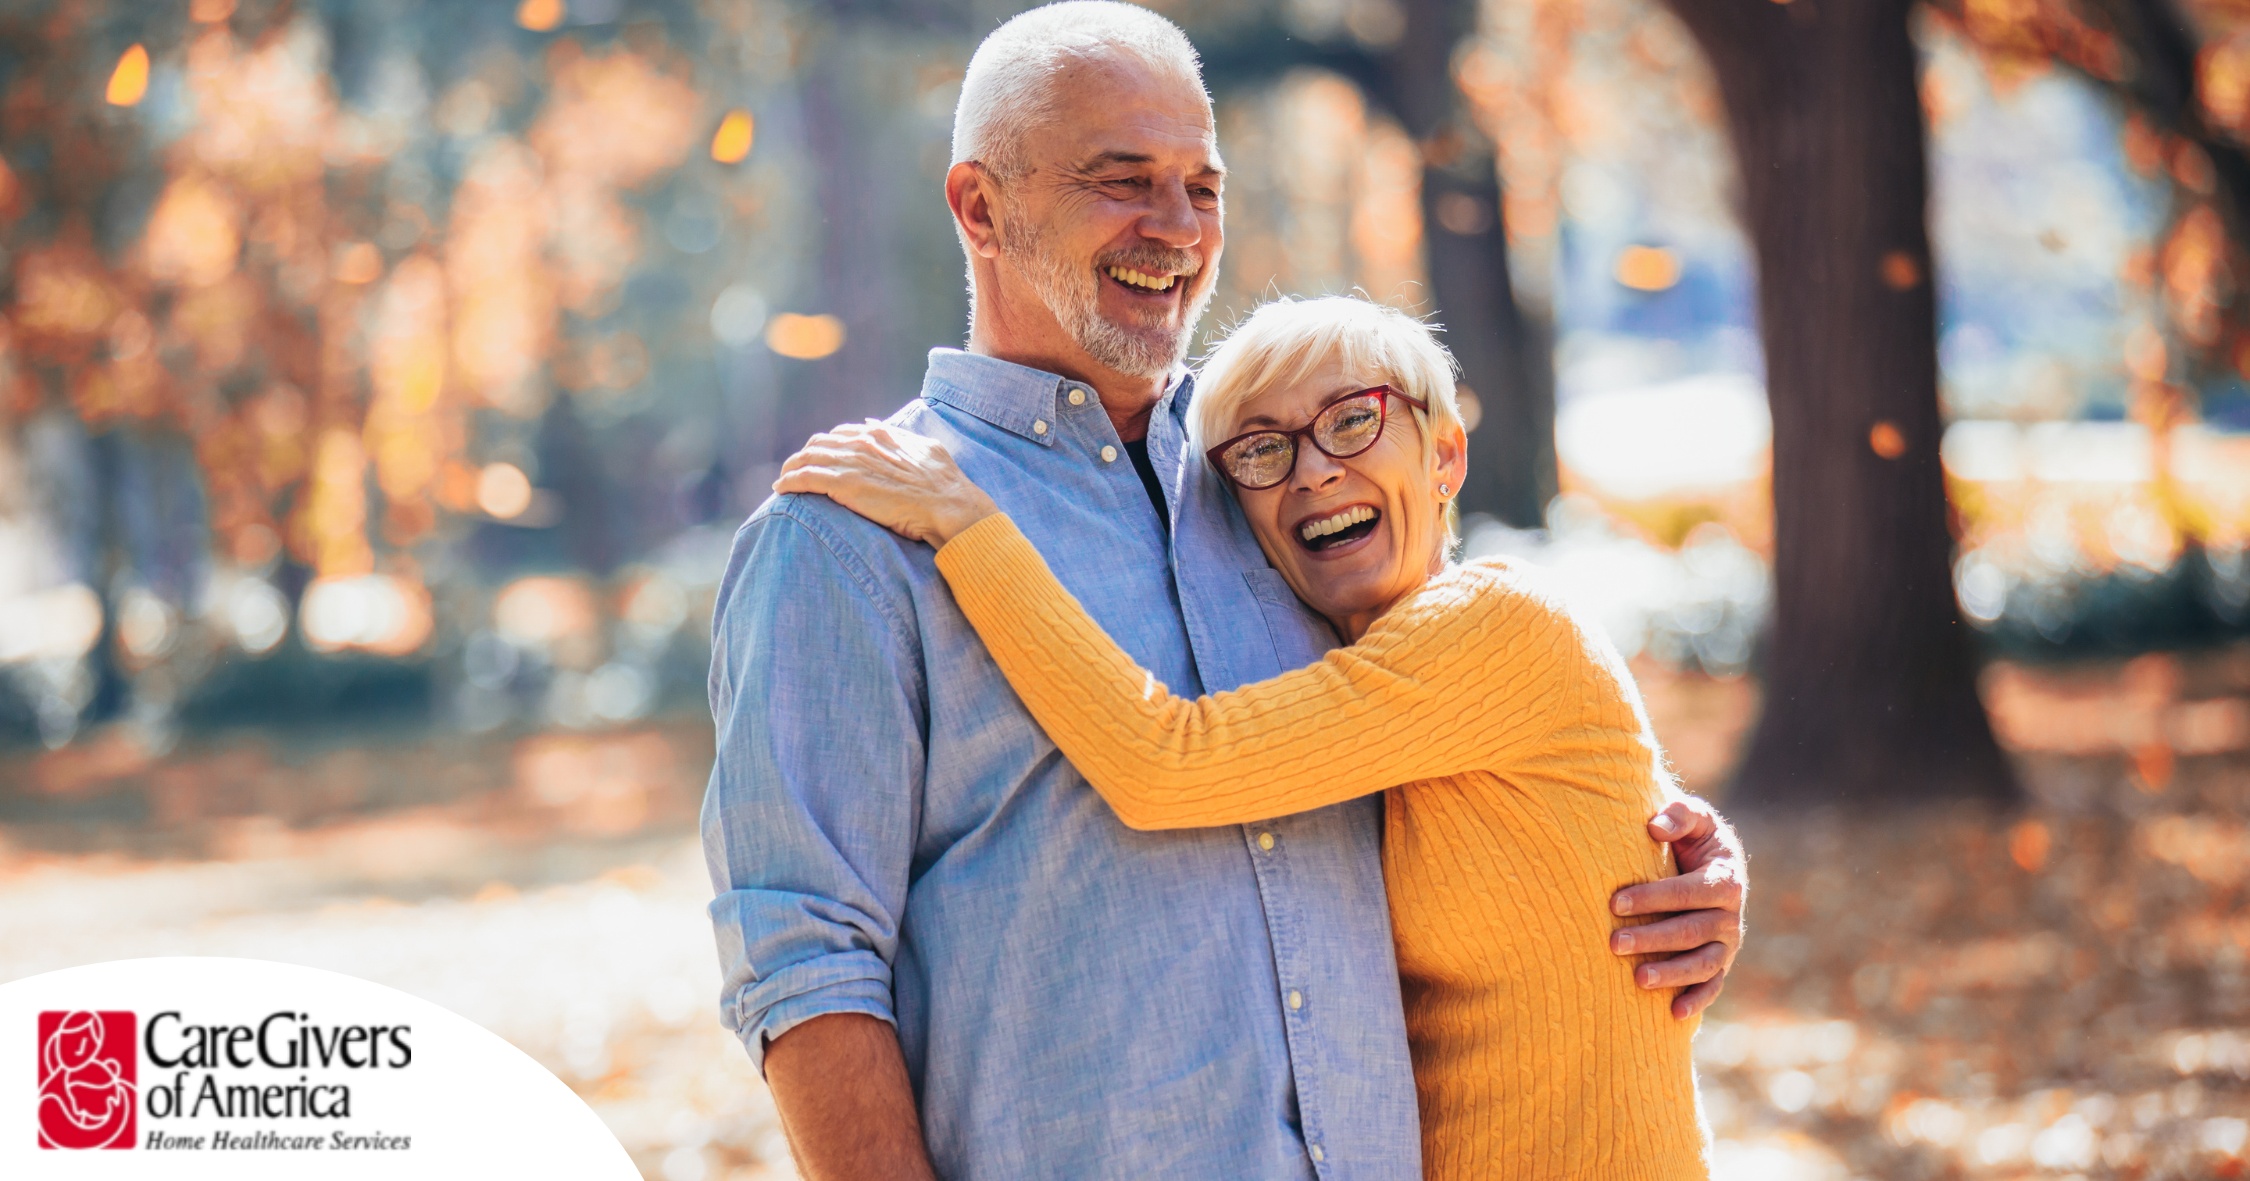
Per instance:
{"type": "Point", "coordinates": [1352, 536]}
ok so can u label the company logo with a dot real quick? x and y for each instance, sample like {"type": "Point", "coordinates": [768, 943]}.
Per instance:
{"type": "Point", "coordinates": [207, 1069]}
{"type": "Point", "coordinates": [88, 1068]}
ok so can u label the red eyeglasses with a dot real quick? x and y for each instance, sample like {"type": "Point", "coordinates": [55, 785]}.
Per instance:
{"type": "Point", "coordinates": [1343, 428]}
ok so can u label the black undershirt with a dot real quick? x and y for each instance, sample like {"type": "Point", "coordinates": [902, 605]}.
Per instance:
{"type": "Point", "coordinates": [1137, 450]}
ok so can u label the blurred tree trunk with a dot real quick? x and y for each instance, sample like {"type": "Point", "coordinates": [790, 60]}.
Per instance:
{"type": "Point", "coordinates": [1505, 354]}
{"type": "Point", "coordinates": [1504, 349]}
{"type": "Point", "coordinates": [1869, 678]}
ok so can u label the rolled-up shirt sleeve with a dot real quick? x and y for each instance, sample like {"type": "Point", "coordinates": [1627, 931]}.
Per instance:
{"type": "Point", "coordinates": [809, 819]}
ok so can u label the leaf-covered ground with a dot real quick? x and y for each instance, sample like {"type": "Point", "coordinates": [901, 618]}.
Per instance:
{"type": "Point", "coordinates": [2054, 992]}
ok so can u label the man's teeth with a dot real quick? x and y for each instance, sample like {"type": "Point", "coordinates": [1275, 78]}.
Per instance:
{"type": "Point", "coordinates": [1335, 524]}
{"type": "Point", "coordinates": [1139, 279]}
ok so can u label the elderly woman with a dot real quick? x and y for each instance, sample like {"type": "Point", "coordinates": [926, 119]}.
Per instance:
{"type": "Point", "coordinates": [1518, 760]}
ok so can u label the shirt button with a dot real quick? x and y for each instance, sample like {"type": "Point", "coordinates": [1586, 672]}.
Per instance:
{"type": "Point", "coordinates": [1316, 1154]}
{"type": "Point", "coordinates": [1109, 453]}
{"type": "Point", "coordinates": [1265, 841]}
{"type": "Point", "coordinates": [1039, 426]}
{"type": "Point", "coordinates": [1296, 999]}
{"type": "Point", "coordinates": [1077, 397]}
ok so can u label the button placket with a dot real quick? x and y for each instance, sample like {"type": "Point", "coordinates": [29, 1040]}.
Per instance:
{"type": "Point", "coordinates": [1269, 863]}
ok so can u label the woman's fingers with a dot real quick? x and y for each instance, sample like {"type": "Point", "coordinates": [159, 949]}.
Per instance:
{"type": "Point", "coordinates": [875, 446]}
{"type": "Point", "coordinates": [800, 458]}
{"type": "Point", "coordinates": [836, 449]}
{"type": "Point", "coordinates": [898, 479]}
{"type": "Point", "coordinates": [830, 463]}
{"type": "Point", "coordinates": [1694, 967]}
{"type": "Point", "coordinates": [817, 480]}
{"type": "Point", "coordinates": [1695, 1000]}
{"type": "Point", "coordinates": [825, 443]}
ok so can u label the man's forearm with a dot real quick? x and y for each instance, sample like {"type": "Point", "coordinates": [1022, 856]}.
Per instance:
{"type": "Point", "coordinates": [840, 1085]}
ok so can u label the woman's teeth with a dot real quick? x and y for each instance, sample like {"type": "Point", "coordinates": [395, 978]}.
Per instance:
{"type": "Point", "coordinates": [1138, 279]}
{"type": "Point", "coordinates": [1313, 530]}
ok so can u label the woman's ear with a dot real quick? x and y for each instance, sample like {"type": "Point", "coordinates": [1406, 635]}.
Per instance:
{"type": "Point", "coordinates": [1450, 453]}
{"type": "Point", "coordinates": [976, 207]}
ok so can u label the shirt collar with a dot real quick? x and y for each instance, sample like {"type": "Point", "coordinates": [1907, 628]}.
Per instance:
{"type": "Point", "coordinates": [1182, 392]}
{"type": "Point", "coordinates": [1016, 398]}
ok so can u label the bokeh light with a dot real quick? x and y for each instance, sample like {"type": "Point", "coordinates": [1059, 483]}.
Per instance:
{"type": "Point", "coordinates": [557, 616]}
{"type": "Point", "coordinates": [806, 338]}
{"type": "Point", "coordinates": [731, 143]}
{"type": "Point", "coordinates": [503, 490]}
{"type": "Point", "coordinates": [129, 81]}
{"type": "Point", "coordinates": [540, 15]}
{"type": "Point", "coordinates": [1647, 268]}
{"type": "Point", "coordinates": [738, 316]}
{"type": "Point", "coordinates": [59, 624]}
{"type": "Point", "coordinates": [1886, 440]}
{"type": "Point", "coordinates": [378, 613]}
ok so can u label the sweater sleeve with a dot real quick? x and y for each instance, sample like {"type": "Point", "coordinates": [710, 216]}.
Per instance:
{"type": "Point", "coordinates": [1464, 675]}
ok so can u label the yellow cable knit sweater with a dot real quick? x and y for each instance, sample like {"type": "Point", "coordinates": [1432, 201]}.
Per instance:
{"type": "Point", "coordinates": [1526, 773]}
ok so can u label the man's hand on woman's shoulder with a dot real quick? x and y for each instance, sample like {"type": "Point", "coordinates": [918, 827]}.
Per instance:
{"type": "Point", "coordinates": [1703, 907]}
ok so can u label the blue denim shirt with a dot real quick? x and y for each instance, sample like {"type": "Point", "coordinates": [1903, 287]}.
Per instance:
{"type": "Point", "coordinates": [890, 833]}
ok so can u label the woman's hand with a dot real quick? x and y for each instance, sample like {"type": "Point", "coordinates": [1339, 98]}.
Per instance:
{"type": "Point", "coordinates": [905, 482]}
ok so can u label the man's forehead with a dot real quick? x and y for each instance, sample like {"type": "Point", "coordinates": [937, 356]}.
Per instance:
{"type": "Point", "coordinates": [1124, 114]}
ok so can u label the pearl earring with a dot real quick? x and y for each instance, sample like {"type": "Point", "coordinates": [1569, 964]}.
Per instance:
{"type": "Point", "coordinates": [1444, 490]}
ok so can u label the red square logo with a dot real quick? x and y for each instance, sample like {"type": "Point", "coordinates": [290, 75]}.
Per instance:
{"type": "Point", "coordinates": [88, 1065]}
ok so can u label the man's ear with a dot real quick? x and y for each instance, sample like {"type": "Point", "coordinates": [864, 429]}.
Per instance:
{"type": "Point", "coordinates": [975, 199]}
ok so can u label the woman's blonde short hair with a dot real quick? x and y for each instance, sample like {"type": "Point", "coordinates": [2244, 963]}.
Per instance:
{"type": "Point", "coordinates": [1286, 339]}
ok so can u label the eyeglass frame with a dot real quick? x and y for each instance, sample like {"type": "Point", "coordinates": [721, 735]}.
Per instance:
{"type": "Point", "coordinates": [1383, 394]}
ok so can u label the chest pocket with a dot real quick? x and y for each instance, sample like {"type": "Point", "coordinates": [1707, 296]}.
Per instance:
{"type": "Point", "coordinates": [1299, 635]}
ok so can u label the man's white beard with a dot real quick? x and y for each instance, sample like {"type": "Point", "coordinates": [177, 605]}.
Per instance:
{"type": "Point", "coordinates": [1073, 293]}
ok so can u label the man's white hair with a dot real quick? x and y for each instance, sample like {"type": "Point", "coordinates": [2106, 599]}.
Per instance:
{"type": "Point", "coordinates": [1009, 88]}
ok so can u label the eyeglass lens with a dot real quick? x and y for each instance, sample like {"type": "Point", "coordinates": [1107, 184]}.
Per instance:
{"type": "Point", "coordinates": [1342, 429]}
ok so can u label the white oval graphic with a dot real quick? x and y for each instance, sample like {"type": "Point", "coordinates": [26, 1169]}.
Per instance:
{"type": "Point", "coordinates": [208, 1067]}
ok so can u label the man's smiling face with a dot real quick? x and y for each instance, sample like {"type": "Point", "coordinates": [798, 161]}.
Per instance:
{"type": "Point", "coordinates": [1115, 225]}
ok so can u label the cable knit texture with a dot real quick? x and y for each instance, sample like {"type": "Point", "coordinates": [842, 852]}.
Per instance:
{"type": "Point", "coordinates": [1525, 771]}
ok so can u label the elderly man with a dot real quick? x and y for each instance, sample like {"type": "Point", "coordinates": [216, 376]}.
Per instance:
{"type": "Point", "coordinates": [946, 953]}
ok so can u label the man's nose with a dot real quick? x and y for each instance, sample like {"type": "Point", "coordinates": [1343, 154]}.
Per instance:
{"type": "Point", "coordinates": [1171, 218]}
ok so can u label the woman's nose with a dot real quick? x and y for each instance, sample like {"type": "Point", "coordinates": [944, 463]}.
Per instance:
{"type": "Point", "coordinates": [1316, 469]}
